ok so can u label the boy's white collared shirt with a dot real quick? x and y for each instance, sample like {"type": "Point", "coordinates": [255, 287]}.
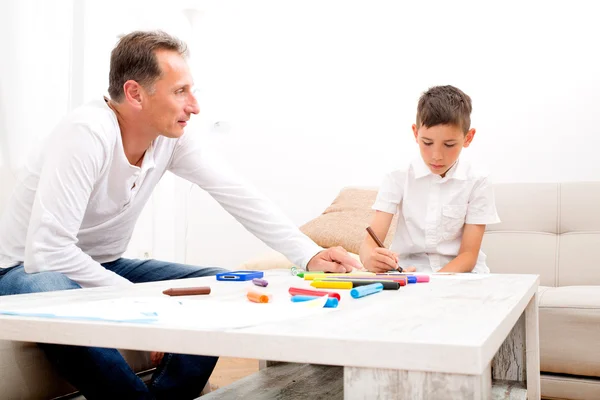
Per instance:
{"type": "Point", "coordinates": [432, 212]}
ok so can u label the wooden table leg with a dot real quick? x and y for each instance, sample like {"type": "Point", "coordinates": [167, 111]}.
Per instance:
{"type": "Point", "coordinates": [371, 383]}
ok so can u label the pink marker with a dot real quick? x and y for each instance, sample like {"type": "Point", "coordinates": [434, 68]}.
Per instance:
{"type": "Point", "coordinates": [422, 278]}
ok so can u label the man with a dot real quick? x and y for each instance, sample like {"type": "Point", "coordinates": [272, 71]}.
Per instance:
{"type": "Point", "coordinates": [76, 204]}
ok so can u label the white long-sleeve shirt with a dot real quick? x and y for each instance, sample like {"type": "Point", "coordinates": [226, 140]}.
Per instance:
{"type": "Point", "coordinates": [78, 198]}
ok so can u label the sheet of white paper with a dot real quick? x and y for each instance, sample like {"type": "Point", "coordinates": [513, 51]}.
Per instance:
{"type": "Point", "coordinates": [463, 276]}
{"type": "Point", "coordinates": [205, 313]}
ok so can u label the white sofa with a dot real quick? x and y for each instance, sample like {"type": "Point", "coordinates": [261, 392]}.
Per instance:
{"type": "Point", "coordinates": [553, 230]}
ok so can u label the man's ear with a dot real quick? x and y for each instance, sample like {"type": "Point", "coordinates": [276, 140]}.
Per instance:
{"type": "Point", "coordinates": [469, 137]}
{"type": "Point", "coordinates": [133, 93]}
{"type": "Point", "coordinates": [415, 132]}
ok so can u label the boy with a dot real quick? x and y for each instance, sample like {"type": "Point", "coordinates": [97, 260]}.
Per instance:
{"type": "Point", "coordinates": [443, 203]}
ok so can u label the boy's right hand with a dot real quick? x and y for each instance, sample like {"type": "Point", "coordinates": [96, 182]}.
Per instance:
{"type": "Point", "coordinates": [381, 260]}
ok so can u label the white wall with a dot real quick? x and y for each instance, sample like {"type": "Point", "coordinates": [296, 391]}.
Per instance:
{"type": "Point", "coordinates": [316, 95]}
{"type": "Point", "coordinates": [35, 48]}
{"type": "Point", "coordinates": [319, 95]}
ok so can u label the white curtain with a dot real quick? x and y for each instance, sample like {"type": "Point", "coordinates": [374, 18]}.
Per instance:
{"type": "Point", "coordinates": [34, 73]}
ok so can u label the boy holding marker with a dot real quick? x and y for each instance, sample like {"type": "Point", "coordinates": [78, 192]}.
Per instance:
{"type": "Point", "coordinates": [443, 203]}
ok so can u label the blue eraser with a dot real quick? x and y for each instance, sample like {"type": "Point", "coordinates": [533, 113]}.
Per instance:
{"type": "Point", "coordinates": [239, 275]}
{"type": "Point", "coordinates": [366, 290]}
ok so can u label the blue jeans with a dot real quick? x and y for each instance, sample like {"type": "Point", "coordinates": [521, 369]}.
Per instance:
{"type": "Point", "coordinates": [100, 373]}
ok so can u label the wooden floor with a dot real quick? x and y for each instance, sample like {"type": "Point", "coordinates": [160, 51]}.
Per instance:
{"type": "Point", "coordinates": [229, 370]}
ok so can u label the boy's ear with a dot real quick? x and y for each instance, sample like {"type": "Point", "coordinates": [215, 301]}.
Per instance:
{"type": "Point", "coordinates": [415, 131]}
{"type": "Point", "coordinates": [469, 137]}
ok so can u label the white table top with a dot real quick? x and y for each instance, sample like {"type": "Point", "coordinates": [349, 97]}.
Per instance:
{"type": "Point", "coordinates": [453, 324]}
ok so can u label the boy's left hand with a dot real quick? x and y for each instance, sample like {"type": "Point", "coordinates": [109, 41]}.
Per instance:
{"type": "Point", "coordinates": [334, 259]}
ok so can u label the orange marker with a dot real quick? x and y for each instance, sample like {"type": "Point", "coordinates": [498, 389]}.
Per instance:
{"type": "Point", "coordinates": [258, 297]}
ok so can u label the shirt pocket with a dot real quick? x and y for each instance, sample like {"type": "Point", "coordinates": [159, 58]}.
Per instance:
{"type": "Point", "coordinates": [453, 220]}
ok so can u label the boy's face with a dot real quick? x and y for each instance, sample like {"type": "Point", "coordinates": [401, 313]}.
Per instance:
{"type": "Point", "coordinates": [441, 145]}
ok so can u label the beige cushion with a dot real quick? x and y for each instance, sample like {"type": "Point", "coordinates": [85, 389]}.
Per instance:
{"type": "Point", "coordinates": [522, 253]}
{"type": "Point", "coordinates": [579, 245]}
{"type": "Point", "coordinates": [580, 207]}
{"type": "Point", "coordinates": [343, 223]}
{"type": "Point", "coordinates": [579, 258]}
{"type": "Point", "coordinates": [267, 261]}
{"type": "Point", "coordinates": [569, 330]}
{"type": "Point", "coordinates": [273, 260]}
{"type": "Point", "coordinates": [525, 241]}
{"type": "Point", "coordinates": [549, 229]}
{"type": "Point", "coordinates": [526, 207]}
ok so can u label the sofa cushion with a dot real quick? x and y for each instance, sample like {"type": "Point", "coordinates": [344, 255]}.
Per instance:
{"type": "Point", "coordinates": [570, 387]}
{"type": "Point", "coordinates": [343, 223]}
{"type": "Point", "coordinates": [579, 229]}
{"type": "Point", "coordinates": [569, 329]}
{"type": "Point", "coordinates": [273, 260]}
{"type": "Point", "coordinates": [578, 258]}
{"type": "Point", "coordinates": [522, 253]}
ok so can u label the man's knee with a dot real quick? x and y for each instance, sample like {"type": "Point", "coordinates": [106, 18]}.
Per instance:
{"type": "Point", "coordinates": [20, 282]}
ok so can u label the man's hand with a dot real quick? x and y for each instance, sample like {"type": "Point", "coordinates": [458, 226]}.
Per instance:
{"type": "Point", "coordinates": [334, 259]}
{"type": "Point", "coordinates": [156, 357]}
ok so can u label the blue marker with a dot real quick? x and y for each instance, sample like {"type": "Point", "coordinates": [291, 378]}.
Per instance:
{"type": "Point", "coordinates": [411, 278]}
{"type": "Point", "coordinates": [366, 290]}
{"type": "Point", "coordinates": [331, 302]}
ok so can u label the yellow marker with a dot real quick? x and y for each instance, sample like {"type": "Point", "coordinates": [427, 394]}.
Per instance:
{"type": "Point", "coordinates": [310, 277]}
{"type": "Point", "coordinates": [331, 285]}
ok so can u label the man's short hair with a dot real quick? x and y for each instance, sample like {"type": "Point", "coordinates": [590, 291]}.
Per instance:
{"type": "Point", "coordinates": [444, 105]}
{"type": "Point", "coordinates": [134, 58]}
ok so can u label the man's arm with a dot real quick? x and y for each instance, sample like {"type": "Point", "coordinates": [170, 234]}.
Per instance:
{"type": "Point", "coordinates": [253, 210]}
{"type": "Point", "coordinates": [73, 162]}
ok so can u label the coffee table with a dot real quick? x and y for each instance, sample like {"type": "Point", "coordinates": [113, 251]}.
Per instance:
{"type": "Point", "coordinates": [431, 340]}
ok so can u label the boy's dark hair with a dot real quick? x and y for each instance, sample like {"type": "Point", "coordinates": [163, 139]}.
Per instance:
{"type": "Point", "coordinates": [444, 105]}
{"type": "Point", "coordinates": [134, 58]}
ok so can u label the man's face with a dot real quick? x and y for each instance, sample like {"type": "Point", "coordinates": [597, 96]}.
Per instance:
{"type": "Point", "coordinates": [441, 145]}
{"type": "Point", "coordinates": [170, 101]}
